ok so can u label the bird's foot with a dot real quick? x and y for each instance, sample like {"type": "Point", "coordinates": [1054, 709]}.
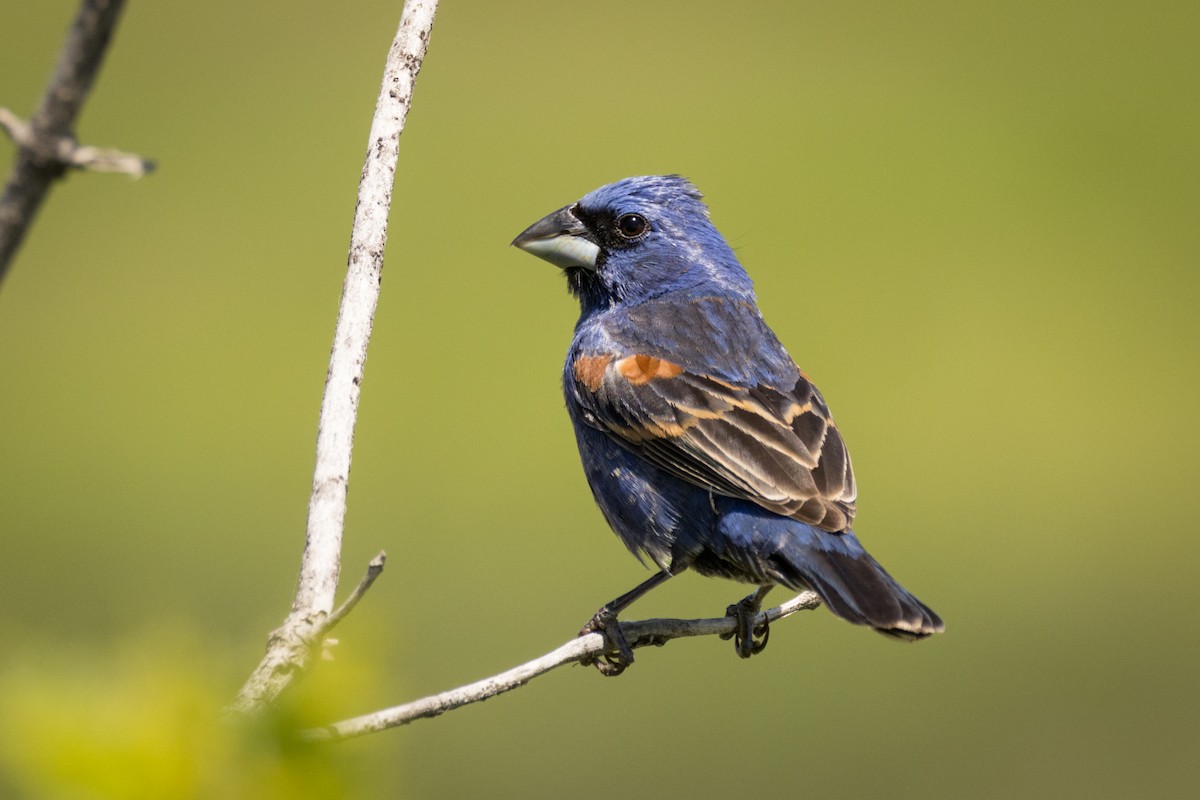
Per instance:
{"type": "Point", "coordinates": [616, 660]}
{"type": "Point", "coordinates": [748, 640]}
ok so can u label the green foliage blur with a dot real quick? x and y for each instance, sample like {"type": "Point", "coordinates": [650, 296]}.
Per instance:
{"type": "Point", "coordinates": [974, 224]}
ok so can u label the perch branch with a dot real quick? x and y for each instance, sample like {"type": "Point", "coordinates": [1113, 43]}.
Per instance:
{"type": "Point", "coordinates": [638, 634]}
{"type": "Point", "coordinates": [289, 650]}
{"type": "Point", "coordinates": [46, 146]}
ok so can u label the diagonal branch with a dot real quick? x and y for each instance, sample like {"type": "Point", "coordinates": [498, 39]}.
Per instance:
{"type": "Point", "coordinates": [46, 146]}
{"type": "Point", "coordinates": [591, 646]}
{"type": "Point", "coordinates": [289, 650]}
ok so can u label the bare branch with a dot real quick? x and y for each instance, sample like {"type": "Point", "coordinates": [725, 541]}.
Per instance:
{"type": "Point", "coordinates": [289, 650]}
{"type": "Point", "coordinates": [46, 144]}
{"type": "Point", "coordinates": [593, 645]}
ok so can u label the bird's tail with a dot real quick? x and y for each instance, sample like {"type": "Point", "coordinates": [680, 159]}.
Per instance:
{"type": "Point", "coordinates": [852, 584]}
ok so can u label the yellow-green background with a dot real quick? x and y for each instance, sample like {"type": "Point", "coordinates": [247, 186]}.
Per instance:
{"type": "Point", "coordinates": [976, 224]}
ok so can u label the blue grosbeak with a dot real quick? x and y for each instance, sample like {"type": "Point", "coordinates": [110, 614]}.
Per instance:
{"type": "Point", "coordinates": [706, 447]}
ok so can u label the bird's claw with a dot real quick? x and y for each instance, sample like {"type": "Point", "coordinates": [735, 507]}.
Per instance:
{"type": "Point", "coordinates": [748, 639]}
{"type": "Point", "coordinates": [617, 660]}
{"type": "Point", "coordinates": [608, 665]}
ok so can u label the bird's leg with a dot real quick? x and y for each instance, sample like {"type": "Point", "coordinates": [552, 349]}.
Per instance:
{"type": "Point", "coordinates": [745, 611]}
{"type": "Point", "coordinates": [605, 621]}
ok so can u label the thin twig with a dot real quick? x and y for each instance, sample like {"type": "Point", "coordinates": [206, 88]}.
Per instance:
{"type": "Point", "coordinates": [289, 650]}
{"type": "Point", "coordinates": [593, 645]}
{"type": "Point", "coordinates": [374, 570]}
{"type": "Point", "coordinates": [46, 144]}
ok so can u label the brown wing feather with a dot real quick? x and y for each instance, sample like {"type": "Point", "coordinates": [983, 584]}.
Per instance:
{"type": "Point", "coordinates": [776, 447]}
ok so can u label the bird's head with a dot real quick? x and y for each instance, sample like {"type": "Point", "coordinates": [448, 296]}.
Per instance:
{"type": "Point", "coordinates": [635, 240]}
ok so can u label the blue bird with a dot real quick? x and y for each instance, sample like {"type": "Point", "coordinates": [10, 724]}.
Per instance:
{"type": "Point", "coordinates": [705, 446]}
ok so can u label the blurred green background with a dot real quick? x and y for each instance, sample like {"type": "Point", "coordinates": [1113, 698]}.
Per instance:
{"type": "Point", "coordinates": [976, 225]}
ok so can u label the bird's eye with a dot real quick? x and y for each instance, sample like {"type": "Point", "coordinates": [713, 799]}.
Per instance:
{"type": "Point", "coordinates": [632, 226]}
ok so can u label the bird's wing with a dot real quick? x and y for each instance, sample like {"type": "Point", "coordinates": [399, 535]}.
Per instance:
{"type": "Point", "coordinates": [776, 447]}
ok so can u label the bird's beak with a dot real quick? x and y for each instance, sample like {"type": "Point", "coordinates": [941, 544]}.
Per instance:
{"type": "Point", "coordinates": [561, 239]}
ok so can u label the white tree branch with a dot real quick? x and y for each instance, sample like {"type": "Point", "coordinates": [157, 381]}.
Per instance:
{"type": "Point", "coordinates": [289, 650]}
{"type": "Point", "coordinates": [591, 646]}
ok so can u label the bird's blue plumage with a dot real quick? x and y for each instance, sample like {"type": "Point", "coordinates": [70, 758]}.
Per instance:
{"type": "Point", "coordinates": [704, 444]}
